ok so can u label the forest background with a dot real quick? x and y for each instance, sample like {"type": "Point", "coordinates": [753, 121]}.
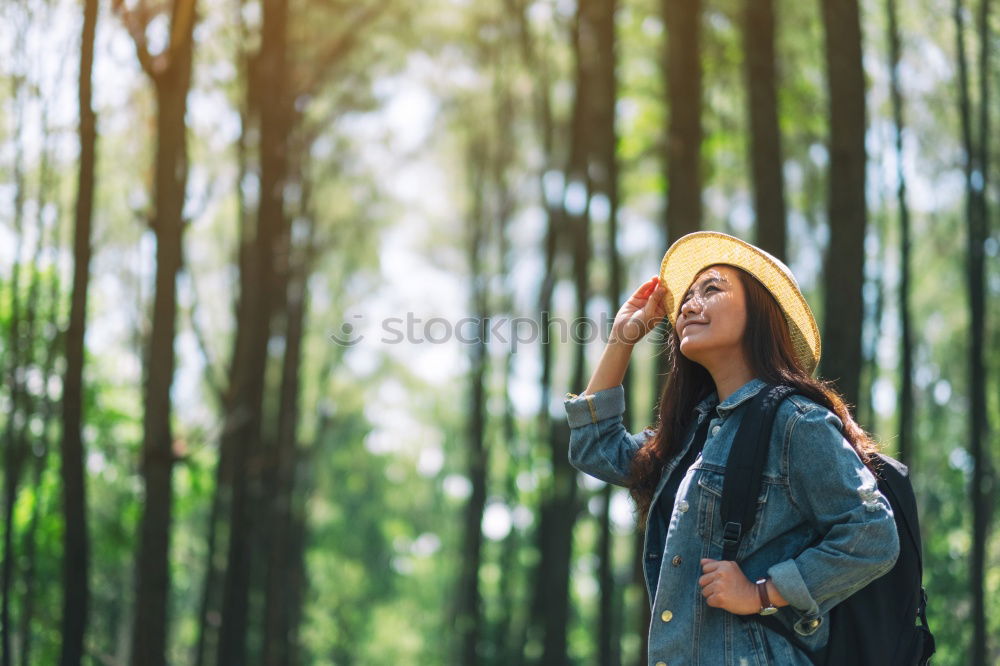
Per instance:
{"type": "Point", "coordinates": [291, 293]}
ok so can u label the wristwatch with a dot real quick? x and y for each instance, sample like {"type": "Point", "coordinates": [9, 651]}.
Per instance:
{"type": "Point", "coordinates": [766, 607]}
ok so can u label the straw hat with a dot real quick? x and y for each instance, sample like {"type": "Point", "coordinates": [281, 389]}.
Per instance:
{"type": "Point", "coordinates": [691, 254]}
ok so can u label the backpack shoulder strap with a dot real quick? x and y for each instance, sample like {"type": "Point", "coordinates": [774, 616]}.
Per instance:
{"type": "Point", "coordinates": [894, 482]}
{"type": "Point", "coordinates": [745, 467]}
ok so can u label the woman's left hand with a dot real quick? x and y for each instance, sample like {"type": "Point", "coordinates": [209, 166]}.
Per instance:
{"type": "Point", "coordinates": [724, 586]}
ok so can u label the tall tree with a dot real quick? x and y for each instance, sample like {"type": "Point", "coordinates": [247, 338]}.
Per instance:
{"type": "Point", "coordinates": [41, 338]}
{"type": "Point", "coordinates": [682, 69]}
{"type": "Point", "coordinates": [76, 546]}
{"type": "Point", "coordinates": [18, 446]}
{"type": "Point", "coordinates": [906, 411]}
{"type": "Point", "coordinates": [765, 135]}
{"type": "Point", "coordinates": [284, 559]}
{"type": "Point", "coordinates": [983, 475]}
{"type": "Point", "coordinates": [976, 177]}
{"type": "Point", "coordinates": [559, 507]}
{"type": "Point", "coordinates": [509, 629]}
{"type": "Point", "coordinates": [549, 603]}
{"type": "Point", "coordinates": [170, 74]}
{"type": "Point", "coordinates": [843, 271]}
{"type": "Point", "coordinates": [241, 435]}
{"type": "Point", "coordinates": [16, 435]}
{"type": "Point", "coordinates": [255, 482]}
{"type": "Point", "coordinates": [468, 599]}
{"type": "Point", "coordinates": [597, 53]}
{"type": "Point", "coordinates": [41, 449]}
{"type": "Point", "coordinates": [12, 363]}
{"type": "Point", "coordinates": [210, 604]}
{"type": "Point", "coordinates": [507, 637]}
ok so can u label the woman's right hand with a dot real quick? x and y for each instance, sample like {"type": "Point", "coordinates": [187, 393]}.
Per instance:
{"type": "Point", "coordinates": [641, 313]}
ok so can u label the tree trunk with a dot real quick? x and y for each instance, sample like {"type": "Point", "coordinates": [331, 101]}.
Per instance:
{"type": "Point", "coordinates": [866, 415]}
{"type": "Point", "coordinates": [48, 422]}
{"type": "Point", "coordinates": [25, 349]}
{"type": "Point", "coordinates": [283, 560]}
{"type": "Point", "coordinates": [206, 646]}
{"type": "Point", "coordinates": [765, 133]}
{"type": "Point", "coordinates": [468, 610]}
{"type": "Point", "coordinates": [560, 505]}
{"type": "Point", "coordinates": [295, 576]}
{"type": "Point", "coordinates": [508, 630]}
{"type": "Point", "coordinates": [210, 607]}
{"type": "Point", "coordinates": [537, 628]}
{"type": "Point", "coordinates": [598, 53]}
{"type": "Point", "coordinates": [511, 625]}
{"type": "Point", "coordinates": [30, 555]}
{"type": "Point", "coordinates": [171, 83]}
{"type": "Point", "coordinates": [906, 407]}
{"type": "Point", "coordinates": [242, 432]}
{"type": "Point", "coordinates": [13, 364]}
{"type": "Point", "coordinates": [682, 19]}
{"type": "Point", "coordinates": [76, 561]}
{"type": "Point", "coordinates": [983, 477]}
{"type": "Point", "coordinates": [976, 173]}
{"type": "Point", "coordinates": [843, 272]}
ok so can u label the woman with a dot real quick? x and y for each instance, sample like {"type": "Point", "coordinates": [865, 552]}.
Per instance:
{"type": "Point", "coordinates": [823, 529]}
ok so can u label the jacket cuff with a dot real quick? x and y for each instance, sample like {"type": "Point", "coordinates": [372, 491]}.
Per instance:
{"type": "Point", "coordinates": [593, 407]}
{"type": "Point", "coordinates": [786, 577]}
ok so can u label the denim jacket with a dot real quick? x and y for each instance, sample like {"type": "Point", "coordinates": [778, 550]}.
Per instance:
{"type": "Point", "coordinates": [823, 530]}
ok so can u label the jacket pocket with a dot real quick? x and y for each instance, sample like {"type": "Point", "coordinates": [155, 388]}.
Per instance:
{"type": "Point", "coordinates": [710, 526]}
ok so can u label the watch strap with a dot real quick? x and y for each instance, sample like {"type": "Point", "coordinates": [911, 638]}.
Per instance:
{"type": "Point", "coordinates": [765, 600]}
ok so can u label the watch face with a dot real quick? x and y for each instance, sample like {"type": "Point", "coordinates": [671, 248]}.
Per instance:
{"type": "Point", "coordinates": [770, 610]}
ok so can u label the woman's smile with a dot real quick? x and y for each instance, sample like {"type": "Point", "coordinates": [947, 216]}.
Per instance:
{"type": "Point", "coordinates": [687, 327]}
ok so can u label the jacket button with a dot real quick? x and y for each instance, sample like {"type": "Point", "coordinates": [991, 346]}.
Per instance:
{"type": "Point", "coordinates": [676, 561]}
{"type": "Point", "coordinates": [715, 430]}
{"type": "Point", "coordinates": [666, 616]}
{"type": "Point", "coordinates": [661, 663]}
{"type": "Point", "coordinates": [682, 506]}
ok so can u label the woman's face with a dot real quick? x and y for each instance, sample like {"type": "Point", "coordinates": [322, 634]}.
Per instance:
{"type": "Point", "coordinates": [713, 317]}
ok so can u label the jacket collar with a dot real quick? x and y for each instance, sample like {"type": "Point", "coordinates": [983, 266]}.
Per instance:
{"type": "Point", "coordinates": [739, 396]}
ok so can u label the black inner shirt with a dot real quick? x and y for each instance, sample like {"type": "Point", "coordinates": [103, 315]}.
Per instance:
{"type": "Point", "coordinates": [667, 496]}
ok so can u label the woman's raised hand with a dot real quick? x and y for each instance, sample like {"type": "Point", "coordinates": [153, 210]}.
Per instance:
{"type": "Point", "coordinates": [641, 313]}
{"type": "Point", "coordinates": [637, 317]}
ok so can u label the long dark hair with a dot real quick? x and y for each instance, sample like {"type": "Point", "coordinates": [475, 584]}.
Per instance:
{"type": "Point", "coordinates": [767, 345]}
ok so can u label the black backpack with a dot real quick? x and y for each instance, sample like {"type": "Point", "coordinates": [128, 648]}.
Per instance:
{"type": "Point", "coordinates": [875, 626]}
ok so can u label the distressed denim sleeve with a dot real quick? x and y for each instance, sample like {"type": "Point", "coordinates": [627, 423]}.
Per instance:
{"type": "Point", "coordinates": [599, 443]}
{"type": "Point", "coordinates": [831, 485]}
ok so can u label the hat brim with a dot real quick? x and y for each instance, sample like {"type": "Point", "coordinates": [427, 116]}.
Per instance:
{"type": "Point", "coordinates": [691, 254]}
